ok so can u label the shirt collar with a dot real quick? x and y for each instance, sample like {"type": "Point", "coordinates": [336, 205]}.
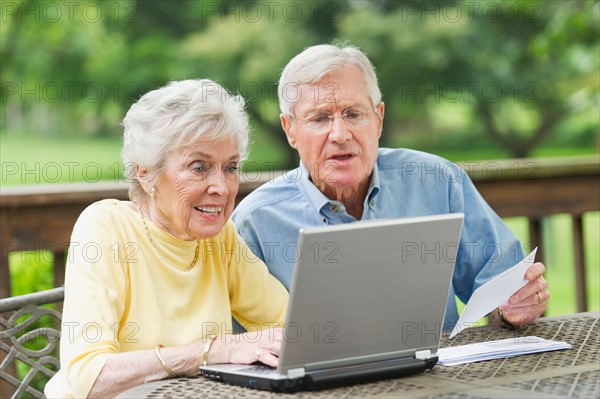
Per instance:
{"type": "Point", "coordinates": [374, 186]}
{"type": "Point", "coordinates": [319, 200]}
{"type": "Point", "coordinates": [315, 196]}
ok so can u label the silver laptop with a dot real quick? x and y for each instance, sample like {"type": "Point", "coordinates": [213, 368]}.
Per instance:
{"type": "Point", "coordinates": [367, 301]}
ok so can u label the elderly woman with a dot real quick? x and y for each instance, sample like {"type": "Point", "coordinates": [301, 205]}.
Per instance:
{"type": "Point", "coordinates": [152, 283]}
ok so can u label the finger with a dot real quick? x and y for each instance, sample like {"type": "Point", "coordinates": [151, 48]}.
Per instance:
{"type": "Point", "coordinates": [532, 300]}
{"type": "Point", "coordinates": [534, 271]}
{"type": "Point", "coordinates": [536, 303]}
{"type": "Point", "coordinates": [525, 314]}
{"type": "Point", "coordinates": [544, 296]}
{"type": "Point", "coordinates": [268, 358]}
{"type": "Point", "coordinates": [522, 316]}
{"type": "Point", "coordinates": [529, 290]}
{"type": "Point", "coordinates": [270, 340]}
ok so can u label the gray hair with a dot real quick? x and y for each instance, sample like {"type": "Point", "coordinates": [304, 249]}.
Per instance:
{"type": "Point", "coordinates": [317, 61]}
{"type": "Point", "coordinates": [173, 116]}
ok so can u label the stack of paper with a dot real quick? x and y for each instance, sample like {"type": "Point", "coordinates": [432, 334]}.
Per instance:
{"type": "Point", "coordinates": [461, 354]}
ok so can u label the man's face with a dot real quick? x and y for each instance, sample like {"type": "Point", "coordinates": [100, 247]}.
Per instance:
{"type": "Point", "coordinates": [340, 153]}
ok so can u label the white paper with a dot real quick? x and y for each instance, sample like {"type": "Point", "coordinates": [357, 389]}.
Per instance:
{"type": "Point", "coordinates": [503, 348]}
{"type": "Point", "coordinates": [494, 293]}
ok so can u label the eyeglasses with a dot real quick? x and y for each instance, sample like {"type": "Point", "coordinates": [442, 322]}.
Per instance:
{"type": "Point", "coordinates": [321, 121]}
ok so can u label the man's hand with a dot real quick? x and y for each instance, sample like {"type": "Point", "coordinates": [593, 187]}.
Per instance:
{"type": "Point", "coordinates": [530, 302]}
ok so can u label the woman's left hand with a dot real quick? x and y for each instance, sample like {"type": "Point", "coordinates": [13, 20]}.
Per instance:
{"type": "Point", "coordinates": [257, 346]}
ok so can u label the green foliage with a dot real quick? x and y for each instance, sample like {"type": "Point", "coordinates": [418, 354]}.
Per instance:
{"type": "Point", "coordinates": [511, 71]}
{"type": "Point", "coordinates": [31, 271]}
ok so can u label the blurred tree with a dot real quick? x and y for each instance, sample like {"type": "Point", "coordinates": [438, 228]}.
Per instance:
{"type": "Point", "coordinates": [510, 70]}
{"type": "Point", "coordinates": [61, 67]}
{"type": "Point", "coordinates": [518, 66]}
{"type": "Point", "coordinates": [536, 54]}
{"type": "Point", "coordinates": [246, 45]}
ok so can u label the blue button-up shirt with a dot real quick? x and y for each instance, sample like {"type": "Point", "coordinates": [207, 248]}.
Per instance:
{"type": "Point", "coordinates": [404, 183]}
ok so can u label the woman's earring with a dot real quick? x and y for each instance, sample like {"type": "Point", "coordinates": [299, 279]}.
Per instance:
{"type": "Point", "coordinates": [152, 192]}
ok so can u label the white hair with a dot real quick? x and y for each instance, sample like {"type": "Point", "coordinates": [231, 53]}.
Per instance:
{"type": "Point", "coordinates": [175, 115]}
{"type": "Point", "coordinates": [312, 64]}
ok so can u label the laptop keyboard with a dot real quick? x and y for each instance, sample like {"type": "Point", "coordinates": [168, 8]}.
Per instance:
{"type": "Point", "coordinates": [258, 370]}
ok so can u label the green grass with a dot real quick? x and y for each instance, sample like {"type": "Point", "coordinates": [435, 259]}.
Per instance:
{"type": "Point", "coordinates": [27, 159]}
{"type": "Point", "coordinates": [42, 160]}
{"type": "Point", "coordinates": [30, 160]}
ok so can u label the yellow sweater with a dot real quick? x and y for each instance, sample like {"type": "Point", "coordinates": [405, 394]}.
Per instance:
{"type": "Point", "coordinates": [121, 294]}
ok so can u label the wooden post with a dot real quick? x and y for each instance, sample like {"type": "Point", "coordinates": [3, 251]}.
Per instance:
{"type": "Point", "coordinates": [7, 247]}
{"type": "Point", "coordinates": [536, 238]}
{"type": "Point", "coordinates": [578, 250]}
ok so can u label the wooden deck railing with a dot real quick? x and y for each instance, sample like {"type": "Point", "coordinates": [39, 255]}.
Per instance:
{"type": "Point", "coordinates": [42, 216]}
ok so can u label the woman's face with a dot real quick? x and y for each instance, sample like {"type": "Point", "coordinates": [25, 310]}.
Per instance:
{"type": "Point", "coordinates": [195, 193]}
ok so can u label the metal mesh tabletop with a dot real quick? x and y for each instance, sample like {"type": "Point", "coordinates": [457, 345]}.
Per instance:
{"type": "Point", "coordinates": [566, 373]}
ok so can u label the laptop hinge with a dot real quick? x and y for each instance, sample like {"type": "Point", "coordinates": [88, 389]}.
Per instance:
{"type": "Point", "coordinates": [296, 373]}
{"type": "Point", "coordinates": [423, 355]}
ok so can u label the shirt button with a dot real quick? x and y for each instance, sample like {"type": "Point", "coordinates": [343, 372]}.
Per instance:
{"type": "Point", "coordinates": [324, 220]}
{"type": "Point", "coordinates": [372, 202]}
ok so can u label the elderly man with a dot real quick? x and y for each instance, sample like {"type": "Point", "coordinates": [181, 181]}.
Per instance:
{"type": "Point", "coordinates": [332, 114]}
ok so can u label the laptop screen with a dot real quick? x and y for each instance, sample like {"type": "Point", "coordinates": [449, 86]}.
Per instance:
{"type": "Point", "coordinates": [369, 291]}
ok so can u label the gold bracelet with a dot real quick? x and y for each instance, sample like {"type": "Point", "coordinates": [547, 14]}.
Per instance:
{"type": "Point", "coordinates": [207, 346]}
{"type": "Point", "coordinates": [162, 361]}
